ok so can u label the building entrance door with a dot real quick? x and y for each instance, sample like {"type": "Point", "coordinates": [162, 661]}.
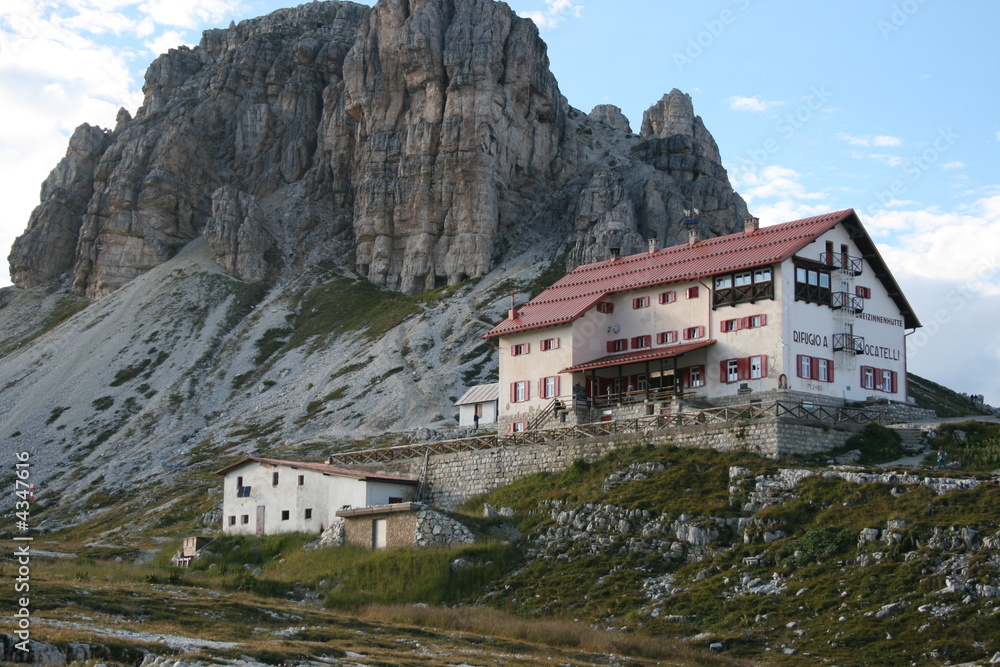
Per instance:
{"type": "Point", "coordinates": [260, 519]}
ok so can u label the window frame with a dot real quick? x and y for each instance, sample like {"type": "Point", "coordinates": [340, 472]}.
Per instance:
{"type": "Point", "coordinates": [640, 302]}
{"type": "Point", "coordinates": [520, 391]}
{"type": "Point", "coordinates": [308, 514]}
{"type": "Point", "coordinates": [694, 333]}
{"type": "Point", "coordinates": [548, 344]}
{"type": "Point", "coordinates": [670, 296]}
{"type": "Point", "coordinates": [520, 349]}
{"type": "Point", "coordinates": [544, 389]}
{"type": "Point", "coordinates": [605, 307]}
{"type": "Point", "coordinates": [641, 342]}
{"type": "Point", "coordinates": [692, 292]}
{"type": "Point", "coordinates": [661, 338]}
{"type": "Point", "coordinates": [286, 515]}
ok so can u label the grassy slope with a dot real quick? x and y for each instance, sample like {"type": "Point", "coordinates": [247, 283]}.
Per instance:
{"type": "Point", "coordinates": [944, 401]}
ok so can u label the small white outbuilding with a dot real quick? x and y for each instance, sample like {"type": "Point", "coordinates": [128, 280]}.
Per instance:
{"type": "Point", "coordinates": [479, 401]}
{"type": "Point", "coordinates": [264, 496]}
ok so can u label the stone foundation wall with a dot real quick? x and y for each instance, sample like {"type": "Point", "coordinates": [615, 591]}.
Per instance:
{"type": "Point", "coordinates": [455, 477]}
{"type": "Point", "coordinates": [400, 529]}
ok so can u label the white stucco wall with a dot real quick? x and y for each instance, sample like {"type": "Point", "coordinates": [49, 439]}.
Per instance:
{"type": "Point", "coordinates": [324, 494]}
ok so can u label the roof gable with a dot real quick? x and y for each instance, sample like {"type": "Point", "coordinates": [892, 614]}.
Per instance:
{"type": "Point", "coordinates": [584, 286]}
{"type": "Point", "coordinates": [580, 289]}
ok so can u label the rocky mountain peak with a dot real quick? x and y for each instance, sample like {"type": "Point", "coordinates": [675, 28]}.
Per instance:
{"type": "Point", "coordinates": [402, 141]}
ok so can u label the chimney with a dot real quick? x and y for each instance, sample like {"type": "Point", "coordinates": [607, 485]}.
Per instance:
{"type": "Point", "coordinates": [512, 312]}
{"type": "Point", "coordinates": [750, 225]}
{"type": "Point", "coordinates": [652, 246]}
{"type": "Point", "coordinates": [616, 254]}
{"type": "Point", "coordinates": [694, 235]}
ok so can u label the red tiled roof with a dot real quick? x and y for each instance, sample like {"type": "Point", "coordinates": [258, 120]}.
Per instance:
{"type": "Point", "coordinates": [584, 286]}
{"type": "Point", "coordinates": [641, 355]}
{"type": "Point", "coordinates": [324, 468]}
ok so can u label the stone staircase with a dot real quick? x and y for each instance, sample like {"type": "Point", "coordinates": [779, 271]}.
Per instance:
{"type": "Point", "coordinates": [914, 440]}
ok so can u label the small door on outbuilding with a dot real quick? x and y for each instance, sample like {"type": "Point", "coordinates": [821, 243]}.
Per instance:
{"type": "Point", "coordinates": [260, 519]}
{"type": "Point", "coordinates": [378, 534]}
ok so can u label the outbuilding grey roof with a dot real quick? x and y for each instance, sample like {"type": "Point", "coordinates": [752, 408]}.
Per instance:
{"type": "Point", "coordinates": [482, 393]}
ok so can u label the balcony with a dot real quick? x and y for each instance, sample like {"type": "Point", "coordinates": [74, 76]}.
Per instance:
{"type": "Point", "coordinates": [730, 296]}
{"type": "Point", "coordinates": [848, 301]}
{"type": "Point", "coordinates": [854, 266]}
{"type": "Point", "coordinates": [848, 343]}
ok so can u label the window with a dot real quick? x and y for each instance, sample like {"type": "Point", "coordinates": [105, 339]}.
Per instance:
{"type": "Point", "coordinates": [302, 480]}
{"type": "Point", "coordinates": [805, 367]}
{"type": "Point", "coordinates": [517, 427]}
{"type": "Point", "coordinates": [640, 342]}
{"type": "Point", "coordinates": [519, 392]}
{"type": "Point", "coordinates": [549, 344]}
{"type": "Point", "coordinates": [824, 280]}
{"type": "Point", "coordinates": [285, 515]}
{"type": "Point", "coordinates": [393, 500]}
{"type": "Point", "coordinates": [812, 284]}
{"type": "Point", "coordinates": [863, 292]}
{"type": "Point", "coordinates": [666, 337]}
{"type": "Point", "coordinates": [309, 513]}
{"type": "Point", "coordinates": [668, 297]}
{"type": "Point", "coordinates": [274, 479]}
{"type": "Point", "coordinates": [743, 279]}
{"type": "Point", "coordinates": [723, 282]}
{"type": "Point", "coordinates": [695, 376]}
{"type": "Point", "coordinates": [756, 321]}
{"type": "Point", "coordinates": [888, 382]}
{"type": "Point", "coordinates": [640, 302]}
{"type": "Point", "coordinates": [605, 307]}
{"type": "Point", "coordinates": [692, 292]}
{"type": "Point", "coordinates": [812, 368]}
{"type": "Point", "coordinates": [239, 481]}
{"type": "Point", "coordinates": [245, 518]}
{"type": "Point", "coordinates": [762, 276]}
{"type": "Point", "coordinates": [549, 387]}
{"type": "Point", "coordinates": [620, 345]}
{"type": "Point", "coordinates": [519, 349]}
{"type": "Point", "coordinates": [730, 325]}
{"type": "Point", "coordinates": [694, 332]}
{"type": "Point", "coordinates": [232, 520]}
{"type": "Point", "coordinates": [750, 368]}
{"type": "Point", "coordinates": [243, 492]}
{"type": "Point", "coordinates": [879, 379]}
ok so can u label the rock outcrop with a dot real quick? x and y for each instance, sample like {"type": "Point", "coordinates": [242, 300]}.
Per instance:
{"type": "Point", "coordinates": [411, 141]}
{"type": "Point", "coordinates": [48, 247]}
{"type": "Point", "coordinates": [611, 116]}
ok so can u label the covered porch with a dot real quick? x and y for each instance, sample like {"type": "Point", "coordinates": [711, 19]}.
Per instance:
{"type": "Point", "coordinates": [642, 376]}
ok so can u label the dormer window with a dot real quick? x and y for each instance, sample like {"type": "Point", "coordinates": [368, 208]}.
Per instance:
{"type": "Point", "coordinates": [606, 307]}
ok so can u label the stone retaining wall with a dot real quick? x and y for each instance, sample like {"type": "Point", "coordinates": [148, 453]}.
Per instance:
{"type": "Point", "coordinates": [455, 477]}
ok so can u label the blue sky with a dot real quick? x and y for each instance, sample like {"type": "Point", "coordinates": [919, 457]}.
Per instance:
{"type": "Point", "coordinates": [890, 107]}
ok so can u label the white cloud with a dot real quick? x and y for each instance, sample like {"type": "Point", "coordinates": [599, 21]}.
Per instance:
{"type": "Point", "coordinates": [163, 43]}
{"type": "Point", "coordinates": [755, 104]}
{"type": "Point", "coordinates": [953, 165]}
{"type": "Point", "coordinates": [885, 140]}
{"type": "Point", "coordinates": [190, 13]}
{"type": "Point", "coordinates": [881, 140]}
{"type": "Point", "coordinates": [775, 194]}
{"type": "Point", "coordinates": [555, 12]}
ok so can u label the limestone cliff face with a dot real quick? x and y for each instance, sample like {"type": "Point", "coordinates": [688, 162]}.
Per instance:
{"type": "Point", "coordinates": [457, 114]}
{"type": "Point", "coordinates": [411, 142]}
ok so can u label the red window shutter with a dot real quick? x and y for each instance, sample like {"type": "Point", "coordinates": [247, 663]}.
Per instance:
{"type": "Point", "coordinates": [555, 344]}
{"type": "Point", "coordinates": [763, 320]}
{"type": "Point", "coordinates": [527, 391]}
{"type": "Point", "coordinates": [763, 366]}
{"type": "Point", "coordinates": [743, 368]}
{"type": "Point", "coordinates": [687, 378]}
{"type": "Point", "coordinates": [893, 380]}
{"type": "Point", "coordinates": [513, 392]}
{"type": "Point", "coordinates": [744, 323]}
{"type": "Point", "coordinates": [798, 365]}
{"type": "Point", "coordinates": [510, 427]}
{"type": "Point", "coordinates": [723, 371]}
{"type": "Point", "coordinates": [814, 371]}
{"type": "Point", "coordinates": [557, 385]}
{"type": "Point", "coordinates": [527, 348]}
{"type": "Point", "coordinates": [513, 350]}
{"type": "Point", "coordinates": [829, 370]}
{"type": "Point", "coordinates": [611, 346]}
